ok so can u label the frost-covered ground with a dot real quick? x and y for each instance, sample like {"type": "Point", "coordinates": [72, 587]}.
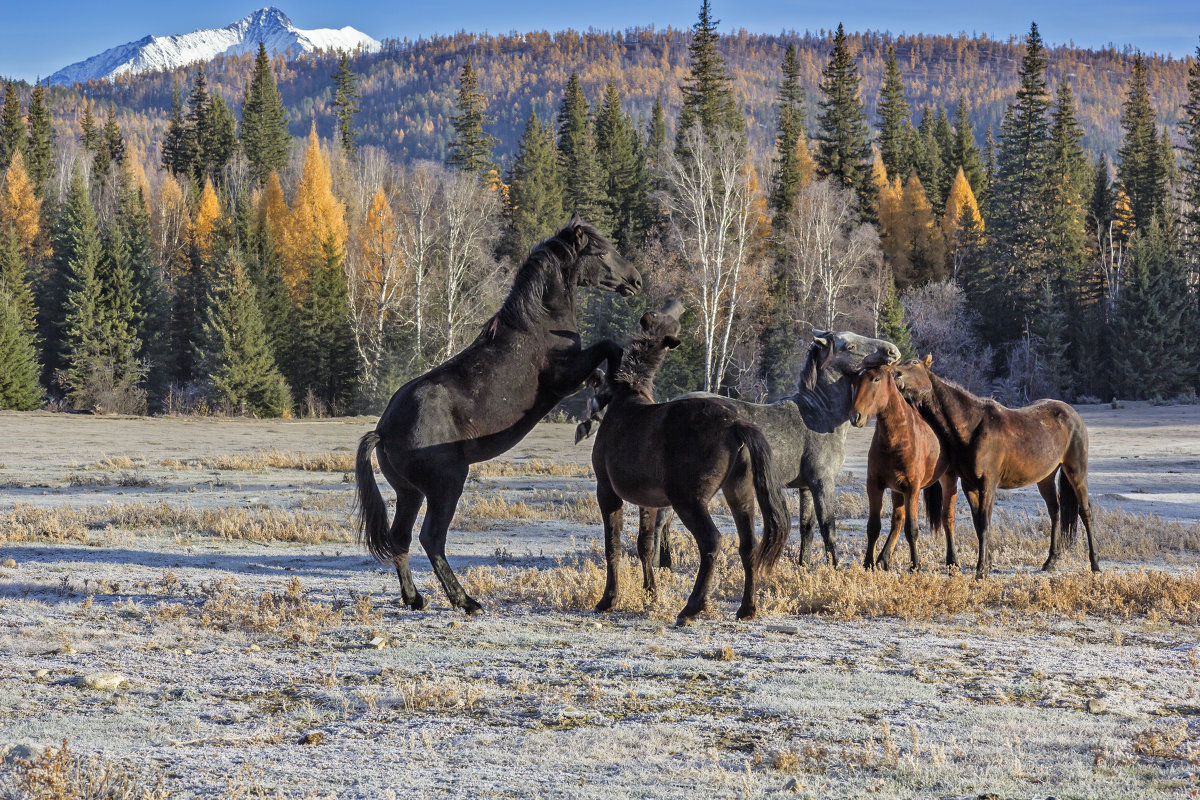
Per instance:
{"type": "Point", "coordinates": [233, 651]}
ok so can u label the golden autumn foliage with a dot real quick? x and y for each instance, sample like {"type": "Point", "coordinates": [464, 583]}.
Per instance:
{"type": "Point", "coordinates": [20, 207]}
{"type": "Point", "coordinates": [1123, 223]}
{"type": "Point", "coordinates": [378, 242]}
{"type": "Point", "coordinates": [961, 208]}
{"type": "Point", "coordinates": [272, 208]}
{"type": "Point", "coordinates": [317, 215]}
{"type": "Point", "coordinates": [208, 211]}
{"type": "Point", "coordinates": [805, 161]}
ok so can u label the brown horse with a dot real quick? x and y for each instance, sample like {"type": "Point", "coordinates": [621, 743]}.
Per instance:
{"type": "Point", "coordinates": [679, 454]}
{"type": "Point", "coordinates": [905, 457]}
{"type": "Point", "coordinates": [991, 447]}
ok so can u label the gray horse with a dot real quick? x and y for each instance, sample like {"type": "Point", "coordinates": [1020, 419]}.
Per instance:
{"type": "Point", "coordinates": [806, 431]}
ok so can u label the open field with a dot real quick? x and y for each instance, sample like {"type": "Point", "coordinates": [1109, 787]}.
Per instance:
{"type": "Point", "coordinates": [183, 603]}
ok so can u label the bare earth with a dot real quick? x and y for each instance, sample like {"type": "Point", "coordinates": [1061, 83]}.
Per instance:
{"type": "Point", "coordinates": [234, 642]}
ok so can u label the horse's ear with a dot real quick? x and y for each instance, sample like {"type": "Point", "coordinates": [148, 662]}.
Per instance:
{"type": "Point", "coordinates": [828, 342]}
{"type": "Point", "coordinates": [574, 221]}
{"type": "Point", "coordinates": [671, 342]}
{"type": "Point", "coordinates": [820, 337]}
{"type": "Point", "coordinates": [647, 320]}
{"type": "Point", "coordinates": [928, 361]}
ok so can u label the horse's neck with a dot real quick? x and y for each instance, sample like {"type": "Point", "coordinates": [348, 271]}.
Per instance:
{"type": "Point", "coordinates": [638, 369]}
{"type": "Point", "coordinates": [895, 413]}
{"type": "Point", "coordinates": [953, 410]}
{"type": "Point", "coordinates": [827, 405]}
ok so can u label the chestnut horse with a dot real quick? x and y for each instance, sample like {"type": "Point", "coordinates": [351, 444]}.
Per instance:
{"type": "Point", "coordinates": [679, 454]}
{"type": "Point", "coordinates": [905, 457]}
{"type": "Point", "coordinates": [991, 447]}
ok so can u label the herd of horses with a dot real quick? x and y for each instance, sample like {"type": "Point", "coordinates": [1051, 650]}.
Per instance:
{"type": "Point", "coordinates": [931, 436]}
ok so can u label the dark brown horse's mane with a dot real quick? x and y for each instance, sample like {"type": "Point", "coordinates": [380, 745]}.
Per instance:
{"type": "Point", "coordinates": [640, 364]}
{"type": "Point", "coordinates": [525, 305]}
{"type": "Point", "coordinates": [814, 364]}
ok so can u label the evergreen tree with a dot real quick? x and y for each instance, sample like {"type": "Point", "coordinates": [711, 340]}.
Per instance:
{"type": "Point", "coordinates": [12, 126]}
{"type": "Point", "coordinates": [1067, 186]}
{"type": "Point", "coordinates": [345, 102]}
{"type": "Point", "coordinates": [39, 149]}
{"type": "Point", "coordinates": [1141, 172]}
{"type": "Point", "coordinates": [236, 358]}
{"type": "Point", "coordinates": [111, 150]}
{"type": "Point", "coordinates": [894, 120]}
{"type": "Point", "coordinates": [1155, 356]}
{"type": "Point", "coordinates": [1101, 200]}
{"type": "Point", "coordinates": [90, 134]}
{"type": "Point", "coordinates": [622, 190]}
{"type": "Point", "coordinates": [79, 253]}
{"type": "Point", "coordinates": [223, 140]}
{"type": "Point", "coordinates": [19, 367]}
{"type": "Point", "coordinates": [989, 171]}
{"type": "Point", "coordinates": [964, 153]}
{"type": "Point", "coordinates": [891, 324]}
{"type": "Point", "coordinates": [326, 361]}
{"type": "Point", "coordinates": [789, 132]}
{"type": "Point", "coordinates": [14, 279]}
{"type": "Point", "coordinates": [535, 193]}
{"type": "Point", "coordinates": [271, 293]}
{"type": "Point", "coordinates": [943, 134]}
{"type": "Point", "coordinates": [176, 148]}
{"type": "Point", "coordinates": [577, 159]}
{"type": "Point", "coordinates": [264, 129]}
{"type": "Point", "coordinates": [842, 148]}
{"type": "Point", "coordinates": [200, 128]}
{"type": "Point", "coordinates": [1189, 132]}
{"type": "Point", "coordinates": [151, 316]}
{"type": "Point", "coordinates": [928, 158]}
{"type": "Point", "coordinates": [117, 311]}
{"type": "Point", "coordinates": [471, 148]}
{"type": "Point", "coordinates": [656, 132]}
{"type": "Point", "coordinates": [708, 91]}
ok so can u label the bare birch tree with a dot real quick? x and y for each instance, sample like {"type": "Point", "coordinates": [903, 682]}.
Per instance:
{"type": "Point", "coordinates": [470, 213]}
{"type": "Point", "coordinates": [715, 210]}
{"type": "Point", "coordinates": [419, 226]}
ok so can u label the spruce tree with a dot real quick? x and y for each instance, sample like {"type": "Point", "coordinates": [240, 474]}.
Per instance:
{"type": "Point", "coordinates": [471, 148]}
{"type": "Point", "coordinates": [110, 153]}
{"type": "Point", "coordinates": [843, 151]}
{"type": "Point", "coordinates": [617, 156]}
{"type": "Point", "coordinates": [223, 140]}
{"type": "Point", "coordinates": [19, 367]}
{"type": "Point", "coordinates": [276, 307]}
{"type": "Point", "coordinates": [789, 132]}
{"type": "Point", "coordinates": [39, 148]}
{"type": "Point", "coordinates": [708, 91]}
{"type": "Point", "coordinates": [535, 193]}
{"type": "Point", "coordinates": [577, 159]}
{"type": "Point", "coordinates": [1141, 172]}
{"type": "Point", "coordinates": [117, 311]}
{"type": "Point", "coordinates": [326, 361]}
{"type": "Point", "coordinates": [891, 324]}
{"type": "Point", "coordinates": [1189, 132]}
{"type": "Point", "coordinates": [14, 278]}
{"type": "Point", "coordinates": [236, 357]}
{"type": "Point", "coordinates": [264, 129]}
{"type": "Point", "coordinates": [12, 126]}
{"type": "Point", "coordinates": [90, 135]}
{"type": "Point", "coordinates": [964, 153]}
{"type": "Point", "coordinates": [989, 171]}
{"type": "Point", "coordinates": [176, 148]}
{"type": "Point", "coordinates": [1067, 185]}
{"type": "Point", "coordinates": [894, 119]}
{"type": "Point", "coordinates": [345, 103]}
{"type": "Point", "coordinates": [200, 128]}
{"type": "Point", "coordinates": [79, 252]}
{"type": "Point", "coordinates": [151, 318]}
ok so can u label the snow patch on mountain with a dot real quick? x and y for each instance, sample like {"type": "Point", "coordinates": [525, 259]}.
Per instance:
{"type": "Point", "coordinates": [268, 25]}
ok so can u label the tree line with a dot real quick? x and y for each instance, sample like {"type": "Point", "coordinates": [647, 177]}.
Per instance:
{"type": "Point", "coordinates": [251, 271]}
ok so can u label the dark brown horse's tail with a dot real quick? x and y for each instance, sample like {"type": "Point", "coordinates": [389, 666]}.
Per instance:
{"type": "Point", "coordinates": [777, 521]}
{"type": "Point", "coordinates": [372, 511]}
{"type": "Point", "coordinates": [1068, 509]}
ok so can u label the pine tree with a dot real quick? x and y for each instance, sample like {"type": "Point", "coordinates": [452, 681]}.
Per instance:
{"type": "Point", "coordinates": [891, 324]}
{"type": "Point", "coordinates": [19, 367]}
{"type": "Point", "coordinates": [177, 152]}
{"type": "Point", "coordinates": [223, 139]}
{"type": "Point", "coordinates": [535, 193]}
{"type": "Point", "coordinates": [110, 152]}
{"type": "Point", "coordinates": [656, 131]}
{"type": "Point", "coordinates": [90, 135]}
{"type": "Point", "coordinates": [326, 363]}
{"type": "Point", "coordinates": [39, 147]}
{"type": "Point", "coordinates": [236, 358]}
{"type": "Point", "coordinates": [929, 159]}
{"type": "Point", "coordinates": [894, 117]}
{"type": "Point", "coordinates": [149, 298]}
{"type": "Point", "coordinates": [989, 171]}
{"type": "Point", "coordinates": [12, 126]}
{"type": "Point", "coordinates": [471, 148]}
{"type": "Point", "coordinates": [1189, 132]}
{"type": "Point", "coordinates": [789, 132]}
{"type": "Point", "coordinates": [1141, 172]}
{"type": "Point", "coordinates": [577, 159]}
{"type": "Point", "coordinates": [1067, 186]}
{"type": "Point", "coordinates": [617, 157]}
{"type": "Point", "coordinates": [78, 249]}
{"type": "Point", "coordinates": [14, 279]}
{"type": "Point", "coordinates": [274, 303]}
{"type": "Point", "coordinates": [345, 103]}
{"type": "Point", "coordinates": [200, 128]}
{"type": "Point", "coordinates": [264, 129]}
{"type": "Point", "coordinates": [708, 91]}
{"type": "Point", "coordinates": [842, 148]}
{"type": "Point", "coordinates": [964, 153]}
{"type": "Point", "coordinates": [117, 311]}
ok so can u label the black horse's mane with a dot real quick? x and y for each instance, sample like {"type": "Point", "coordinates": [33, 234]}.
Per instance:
{"type": "Point", "coordinates": [813, 366]}
{"type": "Point", "coordinates": [525, 305]}
{"type": "Point", "coordinates": [641, 361]}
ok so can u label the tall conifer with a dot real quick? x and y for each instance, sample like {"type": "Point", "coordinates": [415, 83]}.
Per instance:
{"type": "Point", "coordinates": [1141, 171]}
{"type": "Point", "coordinates": [39, 149]}
{"type": "Point", "coordinates": [1189, 131]}
{"type": "Point", "coordinates": [894, 119]}
{"type": "Point", "coordinates": [12, 126]}
{"type": "Point", "coordinates": [471, 148]}
{"type": "Point", "coordinates": [535, 193]}
{"type": "Point", "coordinates": [789, 131]}
{"type": "Point", "coordinates": [708, 91]}
{"type": "Point", "coordinates": [577, 158]}
{"type": "Point", "coordinates": [264, 129]}
{"type": "Point", "coordinates": [843, 152]}
{"type": "Point", "coordinates": [346, 97]}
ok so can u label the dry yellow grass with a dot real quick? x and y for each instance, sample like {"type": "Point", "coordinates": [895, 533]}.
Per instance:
{"type": "Point", "coordinates": [58, 775]}
{"type": "Point", "coordinates": [533, 468]}
{"type": "Point", "coordinates": [479, 508]}
{"type": "Point", "coordinates": [1174, 743]}
{"type": "Point", "coordinates": [95, 523]}
{"type": "Point", "coordinates": [287, 612]}
{"type": "Point", "coordinates": [268, 459]}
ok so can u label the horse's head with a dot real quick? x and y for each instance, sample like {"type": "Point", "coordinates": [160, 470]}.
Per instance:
{"type": "Point", "coordinates": [598, 262]}
{"type": "Point", "coordinates": [846, 352]}
{"type": "Point", "coordinates": [870, 394]}
{"type": "Point", "coordinates": [661, 328]}
{"type": "Point", "coordinates": [912, 379]}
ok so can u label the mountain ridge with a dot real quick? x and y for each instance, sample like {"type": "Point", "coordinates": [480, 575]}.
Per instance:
{"type": "Point", "coordinates": [269, 25]}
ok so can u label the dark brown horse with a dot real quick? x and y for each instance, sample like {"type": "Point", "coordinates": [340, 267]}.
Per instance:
{"type": "Point", "coordinates": [679, 454]}
{"type": "Point", "coordinates": [484, 400]}
{"type": "Point", "coordinates": [991, 447]}
{"type": "Point", "coordinates": [905, 457]}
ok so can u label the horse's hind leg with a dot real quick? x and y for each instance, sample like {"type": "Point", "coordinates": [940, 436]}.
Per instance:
{"type": "Point", "coordinates": [824, 495]}
{"type": "Point", "coordinates": [949, 499]}
{"type": "Point", "coordinates": [693, 513]}
{"type": "Point", "coordinates": [898, 517]}
{"type": "Point", "coordinates": [739, 494]}
{"type": "Point", "coordinates": [647, 546]}
{"type": "Point", "coordinates": [443, 490]}
{"type": "Point", "coordinates": [1077, 478]}
{"type": "Point", "coordinates": [612, 511]}
{"type": "Point", "coordinates": [662, 535]}
{"type": "Point", "coordinates": [408, 505]}
{"type": "Point", "coordinates": [1050, 495]}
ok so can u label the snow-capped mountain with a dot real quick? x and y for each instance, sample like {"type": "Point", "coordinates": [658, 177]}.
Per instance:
{"type": "Point", "coordinates": [268, 25]}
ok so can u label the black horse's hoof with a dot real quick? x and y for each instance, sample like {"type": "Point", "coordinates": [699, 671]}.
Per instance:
{"type": "Point", "coordinates": [1050, 565]}
{"type": "Point", "coordinates": [472, 607]}
{"type": "Point", "coordinates": [604, 606]}
{"type": "Point", "coordinates": [747, 612]}
{"type": "Point", "coordinates": [682, 622]}
{"type": "Point", "coordinates": [418, 603]}
{"type": "Point", "coordinates": [1096, 567]}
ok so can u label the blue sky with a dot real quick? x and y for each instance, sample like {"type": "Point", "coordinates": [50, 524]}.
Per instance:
{"type": "Point", "coordinates": [37, 38]}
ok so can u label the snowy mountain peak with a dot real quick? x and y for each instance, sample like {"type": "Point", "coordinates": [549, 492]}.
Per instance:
{"type": "Point", "coordinates": [267, 25]}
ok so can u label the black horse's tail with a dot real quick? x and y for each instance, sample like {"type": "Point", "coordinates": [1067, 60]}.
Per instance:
{"type": "Point", "coordinates": [1068, 509]}
{"type": "Point", "coordinates": [777, 520]}
{"type": "Point", "coordinates": [372, 511]}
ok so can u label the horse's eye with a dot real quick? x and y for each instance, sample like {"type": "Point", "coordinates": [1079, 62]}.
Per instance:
{"type": "Point", "coordinates": [875, 380]}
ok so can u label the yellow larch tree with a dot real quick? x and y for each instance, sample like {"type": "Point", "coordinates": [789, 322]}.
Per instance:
{"type": "Point", "coordinates": [805, 161]}
{"type": "Point", "coordinates": [21, 208]}
{"type": "Point", "coordinates": [961, 209]}
{"type": "Point", "coordinates": [208, 212]}
{"type": "Point", "coordinates": [317, 217]}
{"type": "Point", "coordinates": [926, 249]}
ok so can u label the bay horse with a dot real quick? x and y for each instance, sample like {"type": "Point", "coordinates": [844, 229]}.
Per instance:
{"type": "Point", "coordinates": [992, 447]}
{"type": "Point", "coordinates": [679, 454]}
{"type": "Point", "coordinates": [484, 400]}
{"type": "Point", "coordinates": [806, 431]}
{"type": "Point", "coordinates": [906, 458]}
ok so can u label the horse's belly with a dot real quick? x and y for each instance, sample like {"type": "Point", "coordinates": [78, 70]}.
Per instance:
{"type": "Point", "coordinates": [639, 491]}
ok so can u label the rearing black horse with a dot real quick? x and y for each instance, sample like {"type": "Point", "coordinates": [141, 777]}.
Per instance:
{"type": "Point", "coordinates": [484, 400]}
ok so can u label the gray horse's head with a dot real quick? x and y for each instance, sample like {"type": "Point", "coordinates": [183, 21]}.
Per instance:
{"type": "Point", "coordinates": [846, 352]}
{"type": "Point", "coordinates": [599, 262]}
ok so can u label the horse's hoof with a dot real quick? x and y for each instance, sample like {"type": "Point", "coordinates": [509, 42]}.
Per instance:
{"type": "Point", "coordinates": [604, 606]}
{"type": "Point", "coordinates": [747, 612]}
{"type": "Point", "coordinates": [1096, 567]}
{"type": "Point", "coordinates": [1050, 565]}
{"type": "Point", "coordinates": [472, 608]}
{"type": "Point", "coordinates": [418, 603]}
{"type": "Point", "coordinates": [682, 622]}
